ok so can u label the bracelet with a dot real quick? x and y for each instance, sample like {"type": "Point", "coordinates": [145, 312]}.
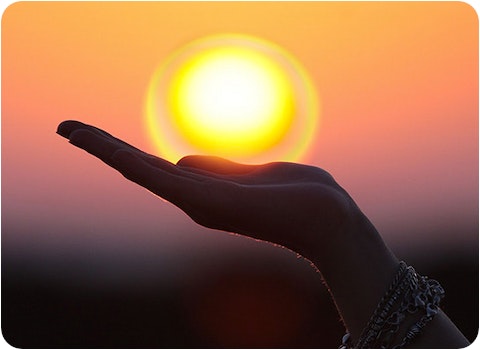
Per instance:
{"type": "Point", "coordinates": [427, 296]}
{"type": "Point", "coordinates": [382, 309]}
{"type": "Point", "coordinates": [402, 282]}
{"type": "Point", "coordinates": [411, 294]}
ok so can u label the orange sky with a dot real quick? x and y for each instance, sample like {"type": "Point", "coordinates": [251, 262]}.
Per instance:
{"type": "Point", "coordinates": [398, 84]}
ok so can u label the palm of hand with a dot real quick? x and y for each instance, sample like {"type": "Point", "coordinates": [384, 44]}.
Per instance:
{"type": "Point", "coordinates": [284, 203]}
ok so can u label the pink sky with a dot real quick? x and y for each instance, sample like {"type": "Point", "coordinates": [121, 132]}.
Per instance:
{"type": "Point", "coordinates": [398, 84]}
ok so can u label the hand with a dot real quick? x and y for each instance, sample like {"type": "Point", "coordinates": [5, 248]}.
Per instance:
{"type": "Point", "coordinates": [300, 207]}
{"type": "Point", "coordinates": [297, 206]}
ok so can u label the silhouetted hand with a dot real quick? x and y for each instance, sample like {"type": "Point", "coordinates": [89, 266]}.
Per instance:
{"type": "Point", "coordinates": [293, 205]}
{"type": "Point", "coordinates": [300, 207]}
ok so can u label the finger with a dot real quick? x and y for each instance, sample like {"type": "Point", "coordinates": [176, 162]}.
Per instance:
{"type": "Point", "coordinates": [103, 147]}
{"type": "Point", "coordinates": [96, 144]}
{"type": "Point", "coordinates": [65, 128]}
{"type": "Point", "coordinates": [203, 199]}
{"type": "Point", "coordinates": [216, 165]}
{"type": "Point", "coordinates": [69, 127]}
{"type": "Point", "coordinates": [162, 182]}
{"type": "Point", "coordinates": [186, 172]}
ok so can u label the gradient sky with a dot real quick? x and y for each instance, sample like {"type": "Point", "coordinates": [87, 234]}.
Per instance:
{"type": "Point", "coordinates": [398, 84]}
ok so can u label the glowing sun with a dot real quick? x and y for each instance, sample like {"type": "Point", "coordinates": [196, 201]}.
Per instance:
{"type": "Point", "coordinates": [232, 96]}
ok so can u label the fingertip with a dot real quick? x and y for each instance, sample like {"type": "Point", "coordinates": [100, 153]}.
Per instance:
{"type": "Point", "coordinates": [189, 161]}
{"type": "Point", "coordinates": [201, 162]}
{"type": "Point", "coordinates": [78, 136]}
{"type": "Point", "coordinates": [214, 164]}
{"type": "Point", "coordinates": [122, 158]}
{"type": "Point", "coordinates": [63, 129]}
{"type": "Point", "coordinates": [66, 127]}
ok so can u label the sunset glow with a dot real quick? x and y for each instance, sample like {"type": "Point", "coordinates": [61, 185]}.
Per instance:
{"type": "Point", "coordinates": [232, 96]}
{"type": "Point", "coordinates": [397, 122]}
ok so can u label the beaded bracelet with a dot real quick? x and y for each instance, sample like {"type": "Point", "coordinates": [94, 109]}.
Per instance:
{"type": "Point", "coordinates": [417, 293]}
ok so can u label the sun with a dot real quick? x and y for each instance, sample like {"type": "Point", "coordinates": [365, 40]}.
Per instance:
{"type": "Point", "coordinates": [231, 99]}
{"type": "Point", "coordinates": [232, 96]}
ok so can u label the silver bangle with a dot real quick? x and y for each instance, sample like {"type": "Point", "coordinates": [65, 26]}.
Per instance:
{"type": "Point", "coordinates": [411, 294]}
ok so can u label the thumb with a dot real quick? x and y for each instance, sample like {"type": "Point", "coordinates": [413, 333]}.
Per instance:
{"type": "Point", "coordinates": [215, 165]}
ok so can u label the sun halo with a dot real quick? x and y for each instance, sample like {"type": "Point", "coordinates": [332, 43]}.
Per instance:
{"type": "Point", "coordinates": [231, 96]}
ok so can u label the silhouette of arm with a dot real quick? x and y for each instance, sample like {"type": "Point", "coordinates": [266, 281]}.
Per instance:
{"type": "Point", "coordinates": [297, 206]}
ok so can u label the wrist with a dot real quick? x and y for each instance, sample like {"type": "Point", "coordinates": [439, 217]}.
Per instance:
{"type": "Point", "coordinates": [357, 267]}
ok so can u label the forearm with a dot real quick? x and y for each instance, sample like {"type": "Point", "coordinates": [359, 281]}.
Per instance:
{"type": "Point", "coordinates": [441, 333]}
{"type": "Point", "coordinates": [358, 268]}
